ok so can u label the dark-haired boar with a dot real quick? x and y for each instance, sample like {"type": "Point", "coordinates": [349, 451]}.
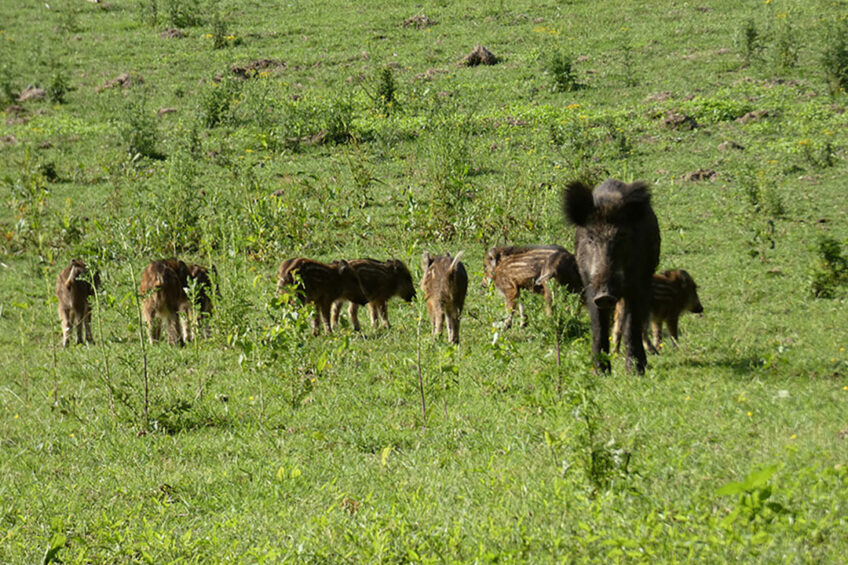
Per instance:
{"type": "Point", "coordinates": [445, 283]}
{"type": "Point", "coordinates": [321, 284]}
{"type": "Point", "coordinates": [73, 292]}
{"type": "Point", "coordinates": [164, 286]}
{"type": "Point", "coordinates": [617, 246]}
{"type": "Point", "coordinates": [672, 293]}
{"type": "Point", "coordinates": [380, 281]}
{"type": "Point", "coordinates": [512, 269]}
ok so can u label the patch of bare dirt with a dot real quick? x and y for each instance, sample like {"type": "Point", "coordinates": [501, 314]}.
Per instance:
{"type": "Point", "coordinates": [729, 145]}
{"type": "Point", "coordinates": [172, 33]}
{"type": "Point", "coordinates": [8, 140]}
{"type": "Point", "coordinates": [419, 21]}
{"type": "Point", "coordinates": [163, 111]}
{"type": "Point", "coordinates": [479, 56]}
{"type": "Point", "coordinates": [674, 120]}
{"type": "Point", "coordinates": [659, 96]}
{"type": "Point", "coordinates": [753, 116]}
{"type": "Point", "coordinates": [31, 93]}
{"type": "Point", "coordinates": [429, 74]}
{"type": "Point", "coordinates": [123, 80]}
{"type": "Point", "coordinates": [253, 68]}
{"type": "Point", "coordinates": [701, 174]}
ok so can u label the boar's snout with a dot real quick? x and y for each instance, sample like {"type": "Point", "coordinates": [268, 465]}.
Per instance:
{"type": "Point", "coordinates": [698, 309]}
{"type": "Point", "coordinates": [604, 300]}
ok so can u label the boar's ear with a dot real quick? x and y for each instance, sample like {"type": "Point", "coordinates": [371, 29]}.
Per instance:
{"type": "Point", "coordinates": [426, 261]}
{"type": "Point", "coordinates": [577, 203]}
{"type": "Point", "coordinates": [637, 202]}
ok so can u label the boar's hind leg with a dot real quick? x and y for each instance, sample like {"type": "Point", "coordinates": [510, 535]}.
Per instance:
{"type": "Point", "coordinates": [86, 319]}
{"type": "Point", "coordinates": [453, 327]}
{"type": "Point", "coordinates": [352, 311]}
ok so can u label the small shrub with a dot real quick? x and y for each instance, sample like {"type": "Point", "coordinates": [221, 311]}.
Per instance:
{"type": "Point", "coordinates": [386, 91]}
{"type": "Point", "coordinates": [786, 47]}
{"type": "Point", "coordinates": [561, 69]}
{"type": "Point", "coordinates": [184, 13]}
{"type": "Point", "coordinates": [139, 131]}
{"type": "Point", "coordinates": [148, 12]}
{"type": "Point", "coordinates": [58, 87]}
{"type": "Point", "coordinates": [830, 271]}
{"type": "Point", "coordinates": [219, 31]}
{"type": "Point", "coordinates": [215, 102]}
{"type": "Point", "coordinates": [835, 57]}
{"type": "Point", "coordinates": [8, 92]}
{"type": "Point", "coordinates": [338, 121]}
{"type": "Point", "coordinates": [750, 42]}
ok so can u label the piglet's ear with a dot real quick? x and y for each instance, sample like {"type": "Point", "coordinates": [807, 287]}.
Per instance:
{"type": "Point", "coordinates": [426, 261]}
{"type": "Point", "coordinates": [577, 203]}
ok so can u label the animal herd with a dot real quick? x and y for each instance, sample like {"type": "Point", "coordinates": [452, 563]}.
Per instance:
{"type": "Point", "coordinates": [617, 250]}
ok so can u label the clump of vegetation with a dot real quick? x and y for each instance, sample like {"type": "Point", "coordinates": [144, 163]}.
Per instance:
{"type": "Point", "coordinates": [786, 47]}
{"type": "Point", "coordinates": [561, 69]}
{"type": "Point", "coordinates": [215, 101]}
{"type": "Point", "coordinates": [219, 31]}
{"type": "Point", "coordinates": [835, 57]}
{"type": "Point", "coordinates": [338, 121]}
{"type": "Point", "coordinates": [138, 130]}
{"type": "Point", "coordinates": [58, 87]}
{"type": "Point", "coordinates": [750, 42]}
{"type": "Point", "coordinates": [830, 271]}
{"type": "Point", "coordinates": [184, 13]}
{"type": "Point", "coordinates": [765, 207]}
{"type": "Point", "coordinates": [386, 91]}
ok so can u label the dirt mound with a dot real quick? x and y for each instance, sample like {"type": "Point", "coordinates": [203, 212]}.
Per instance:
{"type": "Point", "coordinates": [479, 56]}
{"type": "Point", "coordinates": [420, 21]}
{"type": "Point", "coordinates": [253, 68]}
{"type": "Point", "coordinates": [31, 93]}
{"type": "Point", "coordinates": [123, 80]}
{"type": "Point", "coordinates": [701, 174]}
{"type": "Point", "coordinates": [728, 145]}
{"type": "Point", "coordinates": [172, 33]}
{"type": "Point", "coordinates": [753, 116]}
{"type": "Point", "coordinates": [673, 120]}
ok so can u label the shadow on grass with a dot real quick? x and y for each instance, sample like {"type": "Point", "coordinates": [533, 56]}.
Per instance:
{"type": "Point", "coordinates": [746, 365]}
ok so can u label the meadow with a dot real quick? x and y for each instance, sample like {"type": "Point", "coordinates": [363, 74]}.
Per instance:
{"type": "Point", "coordinates": [239, 133]}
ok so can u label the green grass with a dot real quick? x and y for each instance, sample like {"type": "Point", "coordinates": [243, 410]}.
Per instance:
{"type": "Point", "coordinates": [263, 444]}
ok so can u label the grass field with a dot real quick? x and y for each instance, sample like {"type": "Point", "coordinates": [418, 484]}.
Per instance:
{"type": "Point", "coordinates": [246, 132]}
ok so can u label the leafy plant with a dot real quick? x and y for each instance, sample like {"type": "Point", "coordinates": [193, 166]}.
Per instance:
{"type": "Point", "coordinates": [561, 69]}
{"type": "Point", "coordinates": [753, 494]}
{"type": "Point", "coordinates": [834, 58]}
{"type": "Point", "coordinates": [386, 97]}
{"type": "Point", "coordinates": [750, 41]}
{"type": "Point", "coordinates": [58, 87]}
{"type": "Point", "coordinates": [138, 130]}
{"type": "Point", "coordinates": [184, 13]}
{"type": "Point", "coordinates": [830, 271]}
{"type": "Point", "coordinates": [216, 100]}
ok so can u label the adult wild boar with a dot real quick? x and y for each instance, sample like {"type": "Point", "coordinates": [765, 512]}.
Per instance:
{"type": "Point", "coordinates": [672, 293]}
{"type": "Point", "coordinates": [380, 281]}
{"type": "Point", "coordinates": [445, 283]}
{"type": "Point", "coordinates": [512, 269]}
{"type": "Point", "coordinates": [617, 246]}
{"type": "Point", "coordinates": [321, 284]}
{"type": "Point", "coordinates": [73, 292]}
